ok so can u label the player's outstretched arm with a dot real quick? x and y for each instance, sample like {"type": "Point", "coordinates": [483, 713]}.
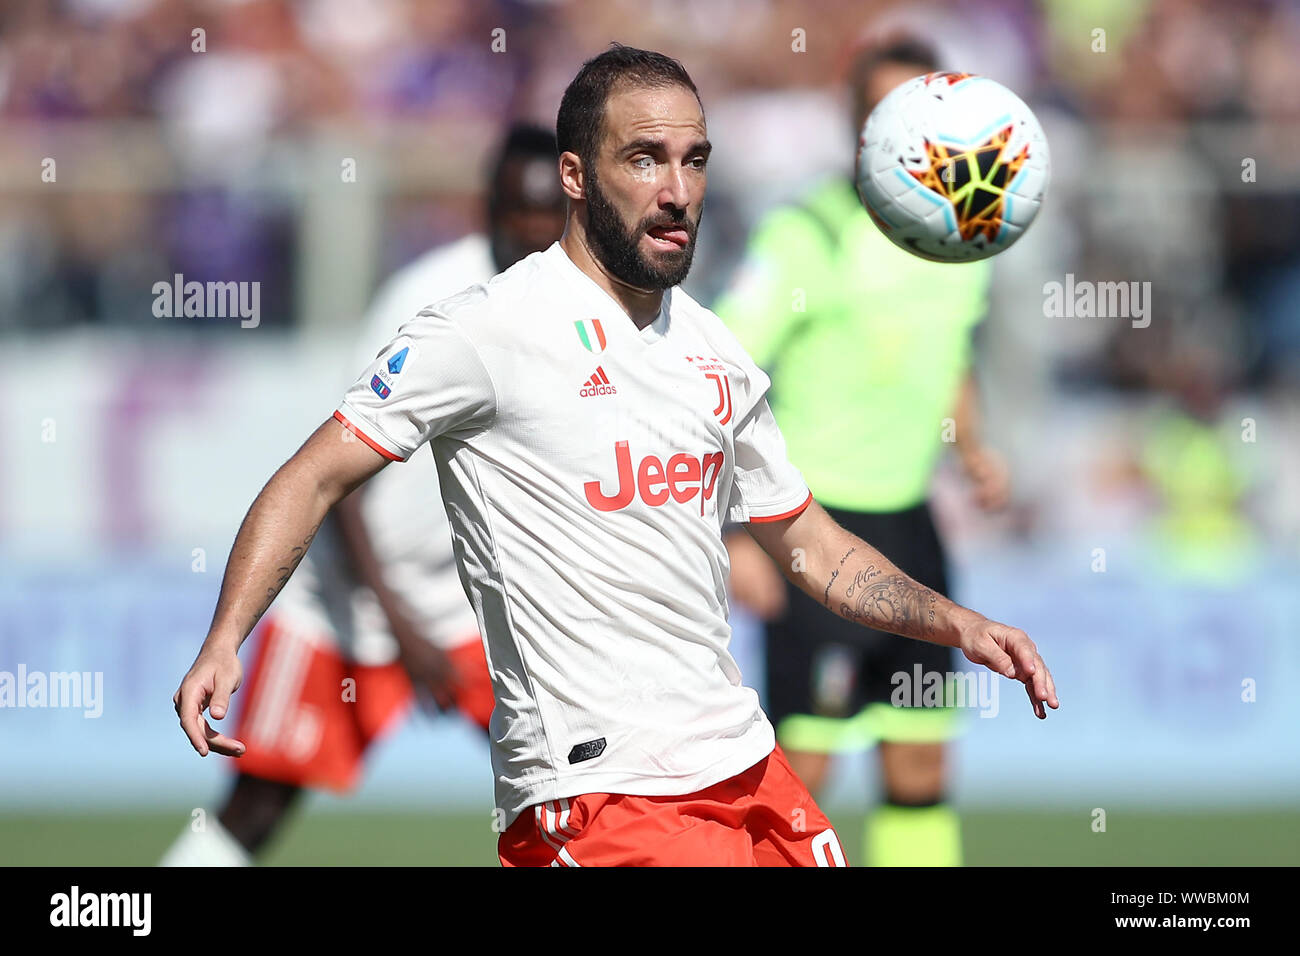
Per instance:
{"type": "Point", "coordinates": [271, 542]}
{"type": "Point", "coordinates": [854, 580]}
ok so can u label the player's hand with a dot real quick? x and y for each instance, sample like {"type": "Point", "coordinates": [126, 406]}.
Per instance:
{"type": "Point", "coordinates": [989, 477]}
{"type": "Point", "coordinates": [214, 676]}
{"type": "Point", "coordinates": [432, 673]}
{"type": "Point", "coordinates": [1009, 651]}
{"type": "Point", "coordinates": [755, 580]}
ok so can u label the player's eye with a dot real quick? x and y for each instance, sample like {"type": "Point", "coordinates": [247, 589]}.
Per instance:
{"type": "Point", "coordinates": [644, 162]}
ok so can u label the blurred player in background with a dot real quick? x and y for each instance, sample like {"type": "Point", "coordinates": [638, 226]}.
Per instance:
{"type": "Point", "coordinates": [376, 609]}
{"type": "Point", "coordinates": [593, 426]}
{"type": "Point", "coordinates": [885, 336]}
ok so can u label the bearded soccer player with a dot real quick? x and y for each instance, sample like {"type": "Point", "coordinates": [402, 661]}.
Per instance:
{"type": "Point", "coordinates": [593, 428]}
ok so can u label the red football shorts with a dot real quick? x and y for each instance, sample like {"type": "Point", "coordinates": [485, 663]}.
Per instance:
{"type": "Point", "coordinates": [303, 725]}
{"type": "Point", "coordinates": [762, 817]}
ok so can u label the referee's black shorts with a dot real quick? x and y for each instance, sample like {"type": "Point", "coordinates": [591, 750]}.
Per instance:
{"type": "Point", "coordinates": [830, 681]}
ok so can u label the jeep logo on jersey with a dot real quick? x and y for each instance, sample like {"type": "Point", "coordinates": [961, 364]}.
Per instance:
{"type": "Point", "coordinates": [681, 478]}
{"type": "Point", "coordinates": [591, 333]}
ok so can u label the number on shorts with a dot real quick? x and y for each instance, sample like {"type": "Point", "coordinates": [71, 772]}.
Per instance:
{"type": "Point", "coordinates": [826, 849]}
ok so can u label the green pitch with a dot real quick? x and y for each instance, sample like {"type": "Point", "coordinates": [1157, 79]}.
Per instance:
{"type": "Point", "coordinates": [405, 838]}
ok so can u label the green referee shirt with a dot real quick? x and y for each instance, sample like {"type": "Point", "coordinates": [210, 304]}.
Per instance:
{"type": "Point", "coordinates": [866, 344]}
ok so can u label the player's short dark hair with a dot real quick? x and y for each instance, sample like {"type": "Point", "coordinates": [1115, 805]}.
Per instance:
{"type": "Point", "coordinates": [523, 142]}
{"type": "Point", "coordinates": [581, 120]}
{"type": "Point", "coordinates": [898, 48]}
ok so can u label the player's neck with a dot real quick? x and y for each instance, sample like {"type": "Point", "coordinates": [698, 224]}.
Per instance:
{"type": "Point", "coordinates": [641, 305]}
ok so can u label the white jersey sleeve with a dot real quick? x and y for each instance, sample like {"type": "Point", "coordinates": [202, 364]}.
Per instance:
{"type": "Point", "coordinates": [428, 381]}
{"type": "Point", "coordinates": [401, 506]}
{"type": "Point", "coordinates": [436, 275]}
{"type": "Point", "coordinates": [766, 486]}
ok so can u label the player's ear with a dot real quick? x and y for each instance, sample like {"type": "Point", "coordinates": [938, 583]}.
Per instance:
{"type": "Point", "coordinates": [573, 178]}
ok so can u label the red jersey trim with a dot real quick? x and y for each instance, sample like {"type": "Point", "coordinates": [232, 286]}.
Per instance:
{"type": "Point", "coordinates": [366, 438]}
{"type": "Point", "coordinates": [760, 519]}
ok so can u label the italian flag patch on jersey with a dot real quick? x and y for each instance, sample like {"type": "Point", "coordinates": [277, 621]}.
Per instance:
{"type": "Point", "coordinates": [591, 334]}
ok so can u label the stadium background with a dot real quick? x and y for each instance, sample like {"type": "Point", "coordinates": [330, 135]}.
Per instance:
{"type": "Point", "coordinates": [1153, 560]}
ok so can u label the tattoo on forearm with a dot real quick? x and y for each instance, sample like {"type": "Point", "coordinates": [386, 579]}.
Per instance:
{"type": "Point", "coordinates": [284, 572]}
{"type": "Point", "coordinates": [895, 604]}
{"type": "Point", "coordinates": [861, 578]}
{"type": "Point", "coordinates": [826, 597]}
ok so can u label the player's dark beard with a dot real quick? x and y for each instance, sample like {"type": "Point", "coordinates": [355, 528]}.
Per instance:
{"type": "Point", "coordinates": [618, 250]}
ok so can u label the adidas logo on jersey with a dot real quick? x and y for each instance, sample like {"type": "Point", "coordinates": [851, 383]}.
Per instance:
{"type": "Point", "coordinates": [598, 384]}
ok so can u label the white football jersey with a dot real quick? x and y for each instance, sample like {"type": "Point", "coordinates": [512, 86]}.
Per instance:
{"type": "Point", "coordinates": [587, 468]}
{"type": "Point", "coordinates": [407, 527]}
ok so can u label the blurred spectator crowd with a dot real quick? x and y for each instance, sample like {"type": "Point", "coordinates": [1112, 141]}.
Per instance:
{"type": "Point", "coordinates": [185, 133]}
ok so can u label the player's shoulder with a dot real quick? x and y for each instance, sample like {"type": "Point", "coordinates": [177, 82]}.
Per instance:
{"type": "Point", "coordinates": [830, 200]}
{"type": "Point", "coordinates": [496, 306]}
{"type": "Point", "coordinates": [748, 382]}
{"type": "Point", "coordinates": [833, 193]}
{"type": "Point", "coordinates": [454, 265]}
{"type": "Point", "coordinates": [813, 221]}
{"type": "Point", "coordinates": [431, 277]}
{"type": "Point", "coordinates": [722, 340]}
{"type": "Point", "coordinates": [686, 308]}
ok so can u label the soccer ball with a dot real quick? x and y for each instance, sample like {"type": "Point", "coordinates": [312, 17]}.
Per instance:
{"type": "Point", "coordinates": [952, 166]}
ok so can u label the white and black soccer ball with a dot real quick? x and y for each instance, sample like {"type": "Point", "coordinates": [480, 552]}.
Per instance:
{"type": "Point", "coordinates": [952, 166]}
